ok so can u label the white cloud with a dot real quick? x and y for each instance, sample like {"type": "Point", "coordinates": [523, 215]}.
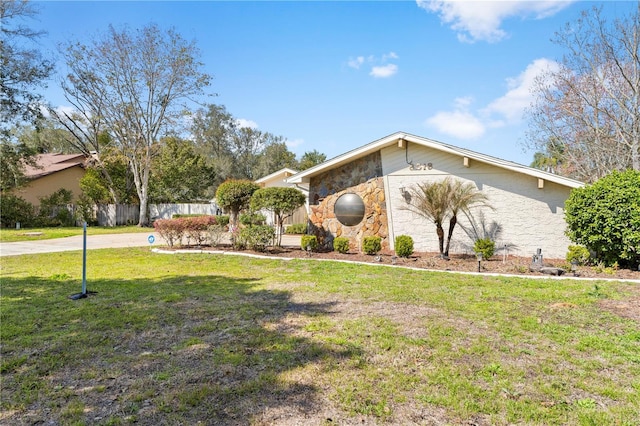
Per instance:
{"type": "Point", "coordinates": [69, 110]}
{"type": "Point", "coordinates": [459, 123]}
{"type": "Point", "coordinates": [384, 71]}
{"type": "Point", "coordinates": [380, 66]}
{"type": "Point", "coordinates": [464, 123]}
{"type": "Point", "coordinates": [519, 96]}
{"type": "Point", "coordinates": [481, 20]}
{"type": "Point", "coordinates": [356, 62]}
{"type": "Point", "coordinates": [294, 143]}
{"type": "Point", "coordinates": [390, 55]}
{"type": "Point", "coordinates": [241, 122]}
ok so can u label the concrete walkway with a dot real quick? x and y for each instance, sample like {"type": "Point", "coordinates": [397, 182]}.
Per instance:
{"type": "Point", "coordinates": [98, 242]}
{"type": "Point", "coordinates": [75, 243]}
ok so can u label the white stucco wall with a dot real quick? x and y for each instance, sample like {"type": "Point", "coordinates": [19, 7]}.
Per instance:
{"type": "Point", "coordinates": [531, 218]}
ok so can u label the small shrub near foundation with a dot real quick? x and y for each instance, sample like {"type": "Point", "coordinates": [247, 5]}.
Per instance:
{"type": "Point", "coordinates": [404, 246]}
{"type": "Point", "coordinates": [578, 253]}
{"type": "Point", "coordinates": [372, 244]}
{"type": "Point", "coordinates": [485, 246]}
{"type": "Point", "coordinates": [341, 244]}
{"type": "Point", "coordinates": [309, 242]}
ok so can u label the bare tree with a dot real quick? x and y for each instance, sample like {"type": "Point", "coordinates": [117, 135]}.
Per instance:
{"type": "Point", "coordinates": [590, 104]}
{"type": "Point", "coordinates": [136, 85]}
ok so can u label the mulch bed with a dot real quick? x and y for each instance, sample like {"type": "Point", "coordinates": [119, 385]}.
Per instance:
{"type": "Point", "coordinates": [512, 265]}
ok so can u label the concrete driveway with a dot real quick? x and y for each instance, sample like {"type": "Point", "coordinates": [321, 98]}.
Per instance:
{"type": "Point", "coordinates": [75, 243]}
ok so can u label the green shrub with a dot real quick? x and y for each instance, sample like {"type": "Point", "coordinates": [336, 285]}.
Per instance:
{"type": "Point", "coordinates": [297, 228]}
{"type": "Point", "coordinates": [257, 237]}
{"type": "Point", "coordinates": [252, 219]}
{"type": "Point", "coordinates": [181, 215]}
{"type": "Point", "coordinates": [54, 209]}
{"type": "Point", "coordinates": [341, 244]}
{"type": "Point", "coordinates": [85, 211]}
{"type": "Point", "coordinates": [605, 218]}
{"type": "Point", "coordinates": [309, 242]}
{"type": "Point", "coordinates": [15, 209]}
{"type": "Point", "coordinates": [485, 246]}
{"type": "Point", "coordinates": [222, 220]}
{"type": "Point", "coordinates": [578, 253]}
{"type": "Point", "coordinates": [404, 245]}
{"type": "Point", "coordinates": [372, 244]}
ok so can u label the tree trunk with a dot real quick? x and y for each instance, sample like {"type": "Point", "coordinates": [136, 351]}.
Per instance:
{"type": "Point", "coordinates": [440, 231]}
{"type": "Point", "coordinates": [279, 221]}
{"type": "Point", "coordinates": [452, 224]}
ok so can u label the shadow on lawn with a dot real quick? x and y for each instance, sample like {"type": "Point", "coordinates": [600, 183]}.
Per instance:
{"type": "Point", "coordinates": [163, 351]}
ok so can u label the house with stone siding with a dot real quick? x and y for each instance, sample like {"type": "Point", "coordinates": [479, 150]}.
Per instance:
{"type": "Point", "coordinates": [527, 203]}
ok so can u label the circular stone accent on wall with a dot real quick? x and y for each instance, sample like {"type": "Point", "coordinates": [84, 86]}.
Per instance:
{"type": "Point", "coordinates": [349, 209]}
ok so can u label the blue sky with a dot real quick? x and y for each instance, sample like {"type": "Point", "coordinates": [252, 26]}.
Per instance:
{"type": "Point", "coordinates": [335, 75]}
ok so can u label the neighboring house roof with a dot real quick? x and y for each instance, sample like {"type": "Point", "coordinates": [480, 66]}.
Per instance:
{"type": "Point", "coordinates": [395, 138]}
{"type": "Point", "coordinates": [47, 164]}
{"type": "Point", "coordinates": [280, 175]}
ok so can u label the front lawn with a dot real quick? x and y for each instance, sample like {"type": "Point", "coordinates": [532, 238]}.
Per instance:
{"type": "Point", "coordinates": [221, 339]}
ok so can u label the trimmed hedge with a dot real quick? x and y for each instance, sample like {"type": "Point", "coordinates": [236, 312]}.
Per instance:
{"type": "Point", "coordinates": [194, 228]}
{"type": "Point", "coordinates": [404, 245]}
{"type": "Point", "coordinates": [310, 242]}
{"type": "Point", "coordinates": [296, 228]}
{"type": "Point", "coordinates": [372, 244]}
{"type": "Point", "coordinates": [486, 246]}
{"type": "Point", "coordinates": [578, 253]}
{"type": "Point", "coordinates": [341, 244]}
{"type": "Point", "coordinates": [257, 237]}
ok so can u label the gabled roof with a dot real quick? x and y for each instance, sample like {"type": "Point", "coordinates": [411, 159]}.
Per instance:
{"type": "Point", "coordinates": [281, 174]}
{"type": "Point", "coordinates": [392, 139]}
{"type": "Point", "coordinates": [47, 164]}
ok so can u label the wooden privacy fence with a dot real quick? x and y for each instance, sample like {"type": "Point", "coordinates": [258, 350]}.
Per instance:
{"type": "Point", "coordinates": [129, 214]}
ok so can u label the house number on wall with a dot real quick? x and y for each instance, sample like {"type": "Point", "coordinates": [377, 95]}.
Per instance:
{"type": "Point", "coordinates": [419, 166]}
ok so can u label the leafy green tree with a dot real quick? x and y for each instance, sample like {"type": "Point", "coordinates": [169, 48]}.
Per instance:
{"type": "Point", "coordinates": [22, 69]}
{"type": "Point", "coordinates": [442, 201]}
{"type": "Point", "coordinates": [551, 159]}
{"type": "Point", "coordinates": [235, 195]}
{"type": "Point", "coordinates": [274, 157]}
{"type": "Point", "coordinates": [45, 137]}
{"type": "Point", "coordinates": [605, 217]}
{"type": "Point", "coordinates": [179, 174]}
{"type": "Point", "coordinates": [236, 152]}
{"type": "Point", "coordinates": [13, 159]}
{"type": "Point", "coordinates": [212, 129]}
{"type": "Point", "coordinates": [310, 159]}
{"type": "Point", "coordinates": [93, 187]}
{"type": "Point", "coordinates": [282, 201]}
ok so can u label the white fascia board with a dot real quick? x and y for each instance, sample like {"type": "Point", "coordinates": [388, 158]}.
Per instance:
{"type": "Point", "coordinates": [345, 158]}
{"type": "Point", "coordinates": [305, 176]}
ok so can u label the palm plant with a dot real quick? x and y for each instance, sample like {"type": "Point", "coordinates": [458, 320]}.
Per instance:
{"type": "Point", "coordinates": [439, 201]}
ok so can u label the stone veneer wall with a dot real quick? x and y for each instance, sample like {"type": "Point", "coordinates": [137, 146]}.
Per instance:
{"type": "Point", "coordinates": [362, 177]}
